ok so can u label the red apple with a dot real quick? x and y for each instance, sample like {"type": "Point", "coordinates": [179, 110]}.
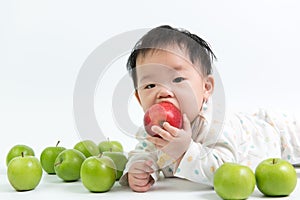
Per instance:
{"type": "Point", "coordinates": [159, 113]}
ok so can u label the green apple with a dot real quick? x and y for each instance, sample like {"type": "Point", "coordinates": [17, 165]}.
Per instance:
{"type": "Point", "coordinates": [48, 156]}
{"type": "Point", "coordinates": [120, 161]}
{"type": "Point", "coordinates": [24, 172]}
{"type": "Point", "coordinates": [98, 174]}
{"type": "Point", "coordinates": [275, 177]}
{"type": "Point", "coordinates": [108, 145]}
{"type": "Point", "coordinates": [68, 163]}
{"type": "Point", "coordinates": [88, 148]}
{"type": "Point", "coordinates": [234, 181]}
{"type": "Point", "coordinates": [17, 150]}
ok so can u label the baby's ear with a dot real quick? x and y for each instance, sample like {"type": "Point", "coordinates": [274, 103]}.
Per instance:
{"type": "Point", "coordinates": [209, 84]}
{"type": "Point", "coordinates": [137, 96]}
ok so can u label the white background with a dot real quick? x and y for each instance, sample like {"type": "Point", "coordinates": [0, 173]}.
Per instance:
{"type": "Point", "coordinates": [43, 45]}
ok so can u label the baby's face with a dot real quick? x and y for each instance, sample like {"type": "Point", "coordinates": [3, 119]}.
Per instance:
{"type": "Point", "coordinates": [170, 76]}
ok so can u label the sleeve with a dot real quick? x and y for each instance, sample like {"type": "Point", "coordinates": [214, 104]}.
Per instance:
{"type": "Point", "coordinates": [202, 159]}
{"type": "Point", "coordinates": [143, 151]}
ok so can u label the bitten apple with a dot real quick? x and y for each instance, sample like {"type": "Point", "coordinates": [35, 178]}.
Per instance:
{"type": "Point", "coordinates": [275, 177]}
{"type": "Point", "coordinates": [162, 112]}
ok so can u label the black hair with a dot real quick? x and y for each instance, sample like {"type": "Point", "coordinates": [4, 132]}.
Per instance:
{"type": "Point", "coordinates": [160, 37]}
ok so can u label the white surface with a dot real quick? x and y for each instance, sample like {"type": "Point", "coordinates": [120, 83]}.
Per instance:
{"type": "Point", "coordinates": [51, 187]}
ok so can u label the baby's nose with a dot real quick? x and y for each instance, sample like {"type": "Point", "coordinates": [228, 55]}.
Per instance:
{"type": "Point", "coordinates": [164, 92]}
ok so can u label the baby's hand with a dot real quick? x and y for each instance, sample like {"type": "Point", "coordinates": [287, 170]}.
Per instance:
{"type": "Point", "coordinates": [139, 176]}
{"type": "Point", "coordinates": [173, 141]}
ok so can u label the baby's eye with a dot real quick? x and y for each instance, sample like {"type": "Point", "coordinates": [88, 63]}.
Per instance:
{"type": "Point", "coordinates": [178, 80]}
{"type": "Point", "coordinates": [149, 86]}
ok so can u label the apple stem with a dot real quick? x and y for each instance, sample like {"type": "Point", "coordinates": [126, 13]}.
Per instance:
{"type": "Point", "coordinates": [57, 143]}
{"type": "Point", "coordinates": [274, 161]}
{"type": "Point", "coordinates": [58, 163]}
{"type": "Point", "coordinates": [22, 153]}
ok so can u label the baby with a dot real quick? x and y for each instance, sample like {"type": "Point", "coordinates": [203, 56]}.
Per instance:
{"type": "Point", "coordinates": [174, 65]}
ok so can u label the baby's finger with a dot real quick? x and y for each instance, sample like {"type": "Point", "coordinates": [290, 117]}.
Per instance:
{"type": "Point", "coordinates": [163, 133]}
{"type": "Point", "coordinates": [158, 142]}
{"type": "Point", "coordinates": [171, 129]}
{"type": "Point", "coordinates": [141, 176]}
{"type": "Point", "coordinates": [145, 188]}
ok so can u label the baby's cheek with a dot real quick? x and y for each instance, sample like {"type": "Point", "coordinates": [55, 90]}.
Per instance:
{"type": "Point", "coordinates": [189, 103]}
{"type": "Point", "coordinates": [192, 111]}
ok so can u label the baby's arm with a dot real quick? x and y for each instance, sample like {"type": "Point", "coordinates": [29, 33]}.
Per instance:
{"type": "Point", "coordinates": [139, 176]}
{"type": "Point", "coordinates": [201, 160]}
{"type": "Point", "coordinates": [141, 165]}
